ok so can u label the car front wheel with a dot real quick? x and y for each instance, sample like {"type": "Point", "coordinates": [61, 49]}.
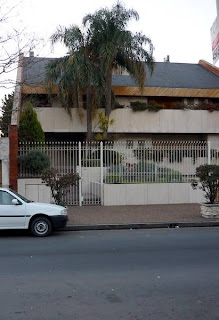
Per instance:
{"type": "Point", "coordinates": [41, 227]}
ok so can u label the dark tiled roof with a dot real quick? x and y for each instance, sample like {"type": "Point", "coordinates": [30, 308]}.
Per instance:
{"type": "Point", "coordinates": [166, 74]}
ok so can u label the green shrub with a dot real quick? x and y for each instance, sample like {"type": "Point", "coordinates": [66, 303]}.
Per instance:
{"type": "Point", "coordinates": [35, 161]}
{"type": "Point", "coordinates": [209, 179]}
{"type": "Point", "coordinates": [169, 175]}
{"type": "Point", "coordinates": [29, 126]}
{"type": "Point", "coordinates": [141, 106]}
{"type": "Point", "coordinates": [59, 184]}
{"type": "Point", "coordinates": [113, 178]}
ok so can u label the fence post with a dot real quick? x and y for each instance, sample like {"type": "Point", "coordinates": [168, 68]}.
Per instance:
{"type": "Point", "coordinates": [79, 172]}
{"type": "Point", "coordinates": [209, 152]}
{"type": "Point", "coordinates": [101, 172]}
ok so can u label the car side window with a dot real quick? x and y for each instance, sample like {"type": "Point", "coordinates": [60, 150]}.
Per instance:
{"type": "Point", "coordinates": [5, 198]}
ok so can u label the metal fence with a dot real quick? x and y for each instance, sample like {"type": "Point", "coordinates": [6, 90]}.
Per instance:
{"type": "Point", "coordinates": [121, 162]}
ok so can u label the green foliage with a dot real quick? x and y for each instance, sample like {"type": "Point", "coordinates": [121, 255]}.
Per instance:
{"type": "Point", "coordinates": [35, 161]}
{"type": "Point", "coordinates": [59, 184]}
{"type": "Point", "coordinates": [142, 106]}
{"type": "Point", "coordinates": [209, 179]}
{"type": "Point", "coordinates": [5, 120]}
{"type": "Point", "coordinates": [114, 178]}
{"type": "Point", "coordinates": [141, 172]}
{"type": "Point", "coordinates": [104, 43]}
{"type": "Point", "coordinates": [103, 124]}
{"type": "Point", "coordinates": [29, 126]}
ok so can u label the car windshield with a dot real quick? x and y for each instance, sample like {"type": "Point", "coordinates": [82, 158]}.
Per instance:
{"type": "Point", "coordinates": [21, 197]}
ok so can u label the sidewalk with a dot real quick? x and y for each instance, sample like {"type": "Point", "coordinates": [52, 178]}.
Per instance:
{"type": "Point", "coordinates": [141, 216]}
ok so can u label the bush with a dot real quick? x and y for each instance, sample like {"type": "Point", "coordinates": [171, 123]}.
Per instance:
{"type": "Point", "coordinates": [209, 179]}
{"type": "Point", "coordinates": [59, 184]}
{"type": "Point", "coordinates": [169, 175]}
{"type": "Point", "coordinates": [35, 161]}
{"type": "Point", "coordinates": [142, 106]}
{"type": "Point", "coordinates": [29, 126]}
{"type": "Point", "coordinates": [142, 172]}
{"type": "Point", "coordinates": [113, 178]}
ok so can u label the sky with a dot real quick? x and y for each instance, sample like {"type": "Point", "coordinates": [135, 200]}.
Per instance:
{"type": "Point", "coordinates": [180, 29]}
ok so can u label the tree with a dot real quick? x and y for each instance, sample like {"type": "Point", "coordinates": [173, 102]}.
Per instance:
{"type": "Point", "coordinates": [92, 55]}
{"type": "Point", "coordinates": [29, 126]}
{"type": "Point", "coordinates": [5, 119]}
{"type": "Point", "coordinates": [77, 74]}
{"type": "Point", "coordinates": [115, 46]}
{"type": "Point", "coordinates": [13, 41]}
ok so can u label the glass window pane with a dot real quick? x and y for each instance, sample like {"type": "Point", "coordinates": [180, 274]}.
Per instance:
{"type": "Point", "coordinates": [5, 198]}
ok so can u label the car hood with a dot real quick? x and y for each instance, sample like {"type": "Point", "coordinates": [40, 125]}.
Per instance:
{"type": "Point", "coordinates": [46, 208]}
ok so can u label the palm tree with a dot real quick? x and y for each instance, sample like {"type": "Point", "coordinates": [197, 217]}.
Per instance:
{"type": "Point", "coordinates": [76, 74]}
{"type": "Point", "coordinates": [115, 46]}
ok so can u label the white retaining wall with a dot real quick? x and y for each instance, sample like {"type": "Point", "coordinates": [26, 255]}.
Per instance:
{"type": "Point", "coordinates": [121, 194]}
{"type": "Point", "coordinates": [35, 190]}
{"type": "Point", "coordinates": [150, 193]}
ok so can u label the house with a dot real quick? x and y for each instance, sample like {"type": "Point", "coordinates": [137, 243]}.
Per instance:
{"type": "Point", "coordinates": [181, 103]}
{"type": "Point", "coordinates": [186, 94]}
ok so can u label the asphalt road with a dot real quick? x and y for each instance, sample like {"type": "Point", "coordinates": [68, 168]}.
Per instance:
{"type": "Point", "coordinates": [111, 275]}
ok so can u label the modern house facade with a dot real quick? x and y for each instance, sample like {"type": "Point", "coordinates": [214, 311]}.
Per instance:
{"type": "Point", "coordinates": [187, 95]}
{"type": "Point", "coordinates": [181, 108]}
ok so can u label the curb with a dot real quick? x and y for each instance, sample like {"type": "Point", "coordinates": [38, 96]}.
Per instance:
{"type": "Point", "coordinates": [153, 225]}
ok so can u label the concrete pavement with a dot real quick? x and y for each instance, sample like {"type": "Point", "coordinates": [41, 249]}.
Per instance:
{"type": "Point", "coordinates": [140, 216]}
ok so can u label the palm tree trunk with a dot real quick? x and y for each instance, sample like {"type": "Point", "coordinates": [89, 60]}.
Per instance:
{"type": "Point", "coordinates": [89, 115]}
{"type": "Point", "coordinates": [108, 92]}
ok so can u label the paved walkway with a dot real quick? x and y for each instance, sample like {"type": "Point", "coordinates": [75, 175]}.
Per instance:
{"type": "Point", "coordinates": [141, 214]}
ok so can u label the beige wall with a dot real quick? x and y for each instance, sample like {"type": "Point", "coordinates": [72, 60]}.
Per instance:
{"type": "Point", "coordinates": [150, 193]}
{"type": "Point", "coordinates": [127, 121]}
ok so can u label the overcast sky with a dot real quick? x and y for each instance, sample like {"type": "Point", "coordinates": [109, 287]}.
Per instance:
{"type": "Point", "coordinates": [178, 28]}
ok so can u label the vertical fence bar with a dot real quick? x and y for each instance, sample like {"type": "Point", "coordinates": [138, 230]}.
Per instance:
{"type": "Point", "coordinates": [101, 173]}
{"type": "Point", "coordinates": [79, 172]}
{"type": "Point", "coordinates": [209, 152]}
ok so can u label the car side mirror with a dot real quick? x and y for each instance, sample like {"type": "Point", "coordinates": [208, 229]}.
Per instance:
{"type": "Point", "coordinates": [15, 202]}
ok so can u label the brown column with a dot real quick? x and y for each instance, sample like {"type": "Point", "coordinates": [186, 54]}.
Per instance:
{"type": "Point", "coordinates": [13, 154]}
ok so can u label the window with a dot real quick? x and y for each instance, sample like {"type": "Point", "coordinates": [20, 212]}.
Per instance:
{"type": "Point", "coordinates": [5, 198]}
{"type": "Point", "coordinates": [141, 143]}
{"type": "Point", "coordinates": [129, 144]}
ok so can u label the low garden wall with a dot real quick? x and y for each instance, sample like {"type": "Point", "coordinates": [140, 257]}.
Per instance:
{"type": "Point", "coordinates": [34, 189]}
{"type": "Point", "coordinates": [150, 193]}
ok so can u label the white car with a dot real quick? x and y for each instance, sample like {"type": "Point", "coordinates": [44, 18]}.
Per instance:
{"type": "Point", "coordinates": [16, 212]}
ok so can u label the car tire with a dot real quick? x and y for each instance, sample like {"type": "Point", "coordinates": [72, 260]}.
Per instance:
{"type": "Point", "coordinates": [41, 227]}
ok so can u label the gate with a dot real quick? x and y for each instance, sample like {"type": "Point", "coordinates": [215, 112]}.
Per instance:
{"type": "Point", "coordinates": [67, 157]}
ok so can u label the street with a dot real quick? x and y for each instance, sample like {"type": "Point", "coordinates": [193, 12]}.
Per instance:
{"type": "Point", "coordinates": [153, 274]}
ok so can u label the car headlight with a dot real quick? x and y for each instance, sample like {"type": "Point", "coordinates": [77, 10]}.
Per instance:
{"type": "Point", "coordinates": [64, 211]}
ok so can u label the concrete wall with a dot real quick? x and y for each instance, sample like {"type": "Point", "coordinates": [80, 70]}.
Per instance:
{"type": "Point", "coordinates": [127, 121]}
{"type": "Point", "coordinates": [150, 193]}
{"type": "Point", "coordinates": [35, 190]}
{"type": "Point", "coordinates": [121, 194]}
{"type": "Point", "coordinates": [4, 157]}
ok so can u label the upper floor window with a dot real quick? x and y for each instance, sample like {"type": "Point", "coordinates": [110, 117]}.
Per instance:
{"type": "Point", "coordinates": [129, 144]}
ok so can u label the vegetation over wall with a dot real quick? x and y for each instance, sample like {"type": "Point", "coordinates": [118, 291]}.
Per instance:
{"type": "Point", "coordinates": [30, 129]}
